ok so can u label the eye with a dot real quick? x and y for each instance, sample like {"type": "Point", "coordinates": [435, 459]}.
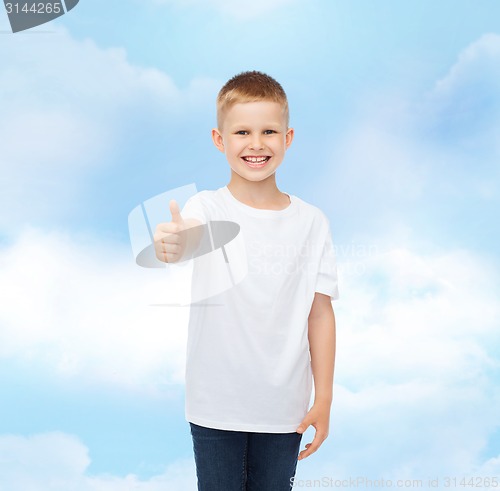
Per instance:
{"type": "Point", "coordinates": [268, 132]}
{"type": "Point", "coordinates": [241, 132]}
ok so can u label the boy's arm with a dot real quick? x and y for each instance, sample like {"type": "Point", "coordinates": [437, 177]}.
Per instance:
{"type": "Point", "coordinates": [321, 335]}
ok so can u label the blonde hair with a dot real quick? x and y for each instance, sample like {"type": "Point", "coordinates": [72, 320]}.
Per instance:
{"type": "Point", "coordinates": [250, 86]}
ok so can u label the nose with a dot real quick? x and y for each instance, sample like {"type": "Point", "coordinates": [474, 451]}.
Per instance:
{"type": "Point", "coordinates": [256, 143]}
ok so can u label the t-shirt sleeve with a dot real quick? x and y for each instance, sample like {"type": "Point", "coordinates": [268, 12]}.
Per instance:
{"type": "Point", "coordinates": [193, 208]}
{"type": "Point", "coordinates": [327, 280]}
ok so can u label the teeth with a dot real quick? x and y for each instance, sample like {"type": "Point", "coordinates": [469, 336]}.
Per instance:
{"type": "Point", "coordinates": [255, 159]}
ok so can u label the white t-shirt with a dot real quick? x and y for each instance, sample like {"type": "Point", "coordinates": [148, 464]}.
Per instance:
{"type": "Point", "coordinates": [248, 363]}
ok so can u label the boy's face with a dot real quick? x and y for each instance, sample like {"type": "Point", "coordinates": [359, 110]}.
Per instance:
{"type": "Point", "coordinates": [250, 130]}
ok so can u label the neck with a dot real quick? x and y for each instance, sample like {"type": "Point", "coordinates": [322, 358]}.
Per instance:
{"type": "Point", "coordinates": [256, 193]}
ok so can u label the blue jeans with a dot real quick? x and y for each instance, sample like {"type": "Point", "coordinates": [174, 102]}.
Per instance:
{"type": "Point", "coordinates": [229, 460]}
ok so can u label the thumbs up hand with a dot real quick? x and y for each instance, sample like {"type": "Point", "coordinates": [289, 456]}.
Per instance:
{"type": "Point", "coordinates": [169, 241]}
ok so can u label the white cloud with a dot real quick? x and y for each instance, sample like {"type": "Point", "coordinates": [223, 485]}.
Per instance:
{"type": "Point", "coordinates": [490, 468]}
{"type": "Point", "coordinates": [59, 462]}
{"type": "Point", "coordinates": [236, 9]}
{"type": "Point", "coordinates": [69, 107]}
{"type": "Point", "coordinates": [432, 316]}
{"type": "Point", "coordinates": [81, 308]}
{"type": "Point", "coordinates": [464, 106]}
{"type": "Point", "coordinates": [416, 377]}
{"type": "Point", "coordinates": [477, 63]}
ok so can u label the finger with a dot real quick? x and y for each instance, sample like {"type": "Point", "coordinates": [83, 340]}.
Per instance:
{"type": "Point", "coordinates": [311, 447]}
{"type": "Point", "coordinates": [174, 210]}
{"type": "Point", "coordinates": [302, 427]}
{"type": "Point", "coordinates": [170, 248]}
{"type": "Point", "coordinates": [170, 238]}
{"type": "Point", "coordinates": [170, 257]}
{"type": "Point", "coordinates": [304, 453]}
{"type": "Point", "coordinates": [161, 240]}
{"type": "Point", "coordinates": [165, 251]}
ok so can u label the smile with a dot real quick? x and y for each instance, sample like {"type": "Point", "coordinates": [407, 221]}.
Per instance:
{"type": "Point", "coordinates": [256, 162]}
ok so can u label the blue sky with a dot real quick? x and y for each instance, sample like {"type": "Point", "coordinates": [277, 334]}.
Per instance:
{"type": "Point", "coordinates": [396, 110]}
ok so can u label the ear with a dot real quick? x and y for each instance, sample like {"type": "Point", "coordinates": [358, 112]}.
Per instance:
{"type": "Point", "coordinates": [217, 139]}
{"type": "Point", "coordinates": [289, 137]}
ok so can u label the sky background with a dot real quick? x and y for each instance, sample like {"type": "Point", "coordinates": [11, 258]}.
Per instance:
{"type": "Point", "coordinates": [396, 111]}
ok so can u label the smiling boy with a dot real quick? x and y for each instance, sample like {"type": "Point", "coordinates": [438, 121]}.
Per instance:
{"type": "Point", "coordinates": [253, 353]}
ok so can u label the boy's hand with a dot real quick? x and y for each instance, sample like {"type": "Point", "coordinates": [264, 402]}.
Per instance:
{"type": "Point", "coordinates": [169, 243]}
{"type": "Point", "coordinates": [319, 417]}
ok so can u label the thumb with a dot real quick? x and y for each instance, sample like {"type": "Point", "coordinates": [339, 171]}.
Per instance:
{"type": "Point", "coordinates": [176, 214]}
{"type": "Point", "coordinates": [302, 427]}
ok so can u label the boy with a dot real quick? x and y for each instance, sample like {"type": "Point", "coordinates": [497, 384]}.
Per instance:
{"type": "Point", "coordinates": [248, 370]}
